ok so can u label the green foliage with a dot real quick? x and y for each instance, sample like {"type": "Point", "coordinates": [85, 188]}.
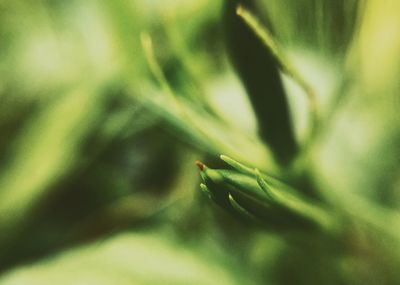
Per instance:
{"type": "Point", "coordinates": [105, 107]}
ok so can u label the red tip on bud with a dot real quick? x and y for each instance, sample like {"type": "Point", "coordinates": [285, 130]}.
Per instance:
{"type": "Point", "coordinates": [200, 165]}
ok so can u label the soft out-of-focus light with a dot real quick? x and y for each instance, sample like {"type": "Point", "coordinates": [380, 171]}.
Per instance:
{"type": "Point", "coordinates": [378, 44]}
{"type": "Point", "coordinates": [321, 75]}
{"type": "Point", "coordinates": [51, 57]}
{"type": "Point", "coordinates": [229, 99]}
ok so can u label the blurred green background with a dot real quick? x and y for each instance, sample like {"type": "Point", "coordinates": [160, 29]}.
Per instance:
{"type": "Point", "coordinates": [105, 107]}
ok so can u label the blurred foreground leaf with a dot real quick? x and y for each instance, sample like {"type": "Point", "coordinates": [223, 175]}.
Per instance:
{"type": "Point", "coordinates": [127, 259]}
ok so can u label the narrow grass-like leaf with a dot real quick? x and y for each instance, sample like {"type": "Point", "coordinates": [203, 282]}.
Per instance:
{"type": "Point", "coordinates": [194, 121]}
{"type": "Point", "coordinates": [241, 184]}
{"type": "Point", "coordinates": [298, 205]}
{"type": "Point", "coordinates": [205, 131]}
{"type": "Point", "coordinates": [206, 191]}
{"type": "Point", "coordinates": [237, 165]}
{"type": "Point", "coordinates": [273, 201]}
{"type": "Point", "coordinates": [250, 171]}
{"type": "Point", "coordinates": [281, 59]}
{"type": "Point", "coordinates": [242, 211]}
{"type": "Point", "coordinates": [156, 70]}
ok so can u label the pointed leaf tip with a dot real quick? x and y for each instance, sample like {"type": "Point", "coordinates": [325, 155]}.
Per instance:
{"type": "Point", "coordinates": [262, 183]}
{"type": "Point", "coordinates": [200, 165]}
{"type": "Point", "coordinates": [236, 165]}
{"type": "Point", "coordinates": [239, 10]}
{"type": "Point", "coordinates": [204, 188]}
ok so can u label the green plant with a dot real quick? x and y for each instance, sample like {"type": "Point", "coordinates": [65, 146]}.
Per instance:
{"type": "Point", "coordinates": [345, 139]}
{"type": "Point", "coordinates": [105, 106]}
